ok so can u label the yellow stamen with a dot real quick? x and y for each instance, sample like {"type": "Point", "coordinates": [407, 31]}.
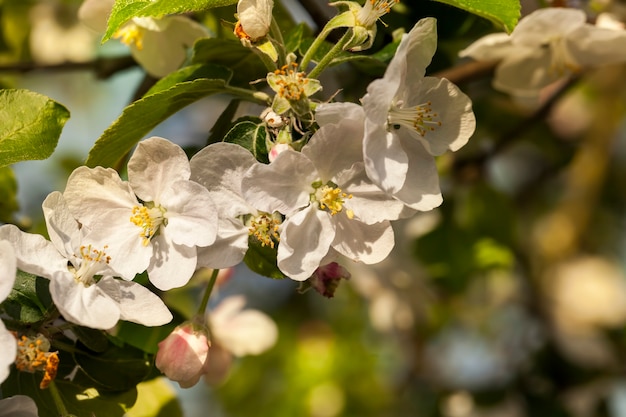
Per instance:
{"type": "Point", "coordinates": [148, 220]}
{"type": "Point", "coordinates": [265, 227]}
{"type": "Point", "coordinates": [33, 355]}
{"type": "Point", "coordinates": [420, 118]}
{"type": "Point", "coordinates": [332, 199]}
{"type": "Point", "coordinates": [130, 34]}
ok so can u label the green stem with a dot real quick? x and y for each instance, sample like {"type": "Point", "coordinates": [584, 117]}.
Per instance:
{"type": "Point", "coordinates": [207, 292]}
{"type": "Point", "coordinates": [304, 63]}
{"type": "Point", "coordinates": [277, 34]}
{"type": "Point", "coordinates": [256, 96]}
{"type": "Point", "coordinates": [58, 401]}
{"type": "Point", "coordinates": [323, 63]}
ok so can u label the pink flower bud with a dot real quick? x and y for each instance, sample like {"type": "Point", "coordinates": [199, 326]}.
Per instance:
{"type": "Point", "coordinates": [326, 278]}
{"type": "Point", "coordinates": [183, 354]}
{"type": "Point", "coordinates": [277, 149]}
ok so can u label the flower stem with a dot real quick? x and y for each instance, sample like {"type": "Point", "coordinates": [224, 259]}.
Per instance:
{"type": "Point", "coordinates": [335, 50]}
{"type": "Point", "coordinates": [58, 401]}
{"type": "Point", "coordinates": [255, 96]}
{"type": "Point", "coordinates": [304, 63]}
{"type": "Point", "coordinates": [207, 292]}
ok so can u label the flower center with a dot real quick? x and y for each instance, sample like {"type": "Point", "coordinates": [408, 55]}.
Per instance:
{"type": "Point", "coordinates": [149, 219]}
{"type": "Point", "coordinates": [33, 354]}
{"type": "Point", "coordinates": [264, 227]}
{"type": "Point", "coordinates": [130, 34]}
{"type": "Point", "coordinates": [330, 198]}
{"type": "Point", "coordinates": [291, 83]}
{"type": "Point", "coordinates": [92, 262]}
{"type": "Point", "coordinates": [373, 10]}
{"type": "Point", "coordinates": [420, 118]}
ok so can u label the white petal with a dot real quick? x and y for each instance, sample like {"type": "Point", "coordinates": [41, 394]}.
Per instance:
{"type": "Point", "coordinates": [544, 24]}
{"type": "Point", "coordinates": [155, 166]}
{"type": "Point", "coordinates": [140, 305]}
{"type": "Point", "coordinates": [283, 186]}
{"type": "Point", "coordinates": [492, 47]}
{"type": "Point", "coordinates": [363, 243]}
{"type": "Point", "coordinates": [385, 159]}
{"type": "Point", "coordinates": [8, 347]}
{"type": "Point", "coordinates": [228, 249]}
{"type": "Point", "coordinates": [18, 406]}
{"type": "Point", "coordinates": [95, 13]}
{"type": "Point", "coordinates": [591, 46]}
{"type": "Point", "coordinates": [191, 214]}
{"type": "Point", "coordinates": [34, 253]}
{"type": "Point", "coordinates": [454, 111]}
{"type": "Point", "coordinates": [525, 74]}
{"type": "Point", "coordinates": [62, 226]}
{"type": "Point", "coordinates": [335, 112]}
{"type": "Point", "coordinates": [304, 240]}
{"type": "Point", "coordinates": [335, 147]}
{"type": "Point", "coordinates": [421, 44]}
{"type": "Point", "coordinates": [171, 265]}
{"type": "Point", "coordinates": [377, 101]}
{"type": "Point", "coordinates": [86, 306]}
{"type": "Point", "coordinates": [220, 167]}
{"type": "Point", "coordinates": [421, 188]}
{"type": "Point", "coordinates": [8, 267]}
{"type": "Point", "coordinates": [255, 17]}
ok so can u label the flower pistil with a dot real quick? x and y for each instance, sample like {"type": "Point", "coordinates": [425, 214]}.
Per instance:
{"type": "Point", "coordinates": [420, 118]}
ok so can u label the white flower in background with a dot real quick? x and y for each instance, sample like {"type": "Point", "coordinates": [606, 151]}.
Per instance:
{"type": "Point", "coordinates": [328, 201]}
{"type": "Point", "coordinates": [159, 45]}
{"type": "Point", "coordinates": [18, 406]}
{"type": "Point", "coordinates": [546, 46]}
{"type": "Point", "coordinates": [241, 332]}
{"type": "Point", "coordinates": [410, 118]}
{"type": "Point", "coordinates": [8, 344]}
{"type": "Point", "coordinates": [255, 18]}
{"type": "Point", "coordinates": [152, 222]}
{"type": "Point", "coordinates": [220, 167]}
{"type": "Point", "coordinates": [362, 20]}
{"type": "Point", "coordinates": [81, 282]}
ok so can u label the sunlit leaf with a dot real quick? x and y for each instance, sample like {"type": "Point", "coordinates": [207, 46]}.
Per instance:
{"type": "Point", "coordinates": [504, 13]}
{"type": "Point", "coordinates": [252, 136]}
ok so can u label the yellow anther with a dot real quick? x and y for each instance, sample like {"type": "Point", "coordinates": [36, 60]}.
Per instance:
{"type": "Point", "coordinates": [148, 220]}
{"type": "Point", "coordinates": [332, 199]}
{"type": "Point", "coordinates": [264, 228]}
{"type": "Point", "coordinates": [33, 355]}
{"type": "Point", "coordinates": [130, 34]}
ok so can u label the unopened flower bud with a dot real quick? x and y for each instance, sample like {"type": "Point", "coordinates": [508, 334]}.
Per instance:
{"type": "Point", "coordinates": [278, 149]}
{"type": "Point", "coordinates": [183, 354]}
{"type": "Point", "coordinates": [326, 278]}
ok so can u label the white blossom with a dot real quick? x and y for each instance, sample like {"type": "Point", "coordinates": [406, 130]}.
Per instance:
{"type": "Point", "coordinates": [154, 221]}
{"type": "Point", "coordinates": [255, 18]}
{"type": "Point", "coordinates": [327, 199]}
{"type": "Point", "coordinates": [8, 344]}
{"type": "Point", "coordinates": [18, 406]}
{"type": "Point", "coordinates": [410, 118]}
{"type": "Point", "coordinates": [81, 281]}
{"type": "Point", "coordinates": [546, 46]}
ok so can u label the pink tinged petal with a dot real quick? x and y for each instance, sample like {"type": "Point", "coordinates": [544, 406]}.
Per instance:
{"type": "Point", "coordinates": [87, 306]}
{"type": "Point", "coordinates": [191, 215]}
{"type": "Point", "coordinates": [242, 332]}
{"type": "Point", "coordinates": [335, 112]}
{"type": "Point", "coordinates": [95, 13]}
{"type": "Point", "coordinates": [454, 112]}
{"type": "Point", "coordinates": [140, 305]}
{"type": "Point", "coordinates": [368, 202]}
{"type": "Point", "coordinates": [8, 267]}
{"type": "Point", "coordinates": [228, 249]}
{"type": "Point", "coordinates": [34, 253]}
{"type": "Point", "coordinates": [183, 354]}
{"type": "Point", "coordinates": [385, 159]}
{"type": "Point", "coordinates": [304, 240]}
{"type": "Point", "coordinates": [220, 167]}
{"type": "Point", "coordinates": [62, 226]}
{"type": "Point", "coordinates": [360, 242]}
{"type": "Point", "coordinates": [421, 189]}
{"type": "Point", "coordinates": [155, 166]}
{"type": "Point", "coordinates": [283, 186]}
{"type": "Point", "coordinates": [217, 369]}
{"type": "Point", "coordinates": [171, 265]}
{"type": "Point", "coordinates": [8, 347]}
{"type": "Point", "coordinates": [335, 147]}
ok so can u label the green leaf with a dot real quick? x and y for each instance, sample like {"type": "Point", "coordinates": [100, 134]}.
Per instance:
{"type": "Point", "coordinates": [29, 299]}
{"type": "Point", "coordinates": [294, 37]}
{"type": "Point", "coordinates": [190, 73]}
{"type": "Point", "coordinates": [251, 134]}
{"type": "Point", "coordinates": [504, 13]}
{"type": "Point", "coordinates": [123, 10]}
{"type": "Point", "coordinates": [142, 337]}
{"type": "Point", "coordinates": [142, 116]}
{"type": "Point", "coordinates": [262, 260]}
{"type": "Point", "coordinates": [131, 366]}
{"type": "Point", "coordinates": [95, 340]}
{"type": "Point", "coordinates": [31, 126]}
{"type": "Point", "coordinates": [245, 64]}
{"type": "Point", "coordinates": [8, 195]}
{"type": "Point", "coordinates": [156, 398]}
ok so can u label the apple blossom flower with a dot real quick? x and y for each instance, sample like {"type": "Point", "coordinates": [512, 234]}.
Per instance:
{"type": "Point", "coordinates": [327, 199]}
{"type": "Point", "coordinates": [255, 18]}
{"type": "Point", "coordinates": [362, 20]}
{"type": "Point", "coordinates": [292, 88]}
{"type": "Point", "coordinates": [410, 118]}
{"type": "Point", "coordinates": [81, 280]}
{"type": "Point", "coordinates": [183, 354]}
{"type": "Point", "coordinates": [8, 344]}
{"type": "Point", "coordinates": [18, 406]}
{"type": "Point", "coordinates": [159, 216]}
{"type": "Point", "coordinates": [546, 46]}
{"type": "Point", "coordinates": [158, 44]}
{"type": "Point", "coordinates": [220, 167]}
{"type": "Point", "coordinates": [33, 355]}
